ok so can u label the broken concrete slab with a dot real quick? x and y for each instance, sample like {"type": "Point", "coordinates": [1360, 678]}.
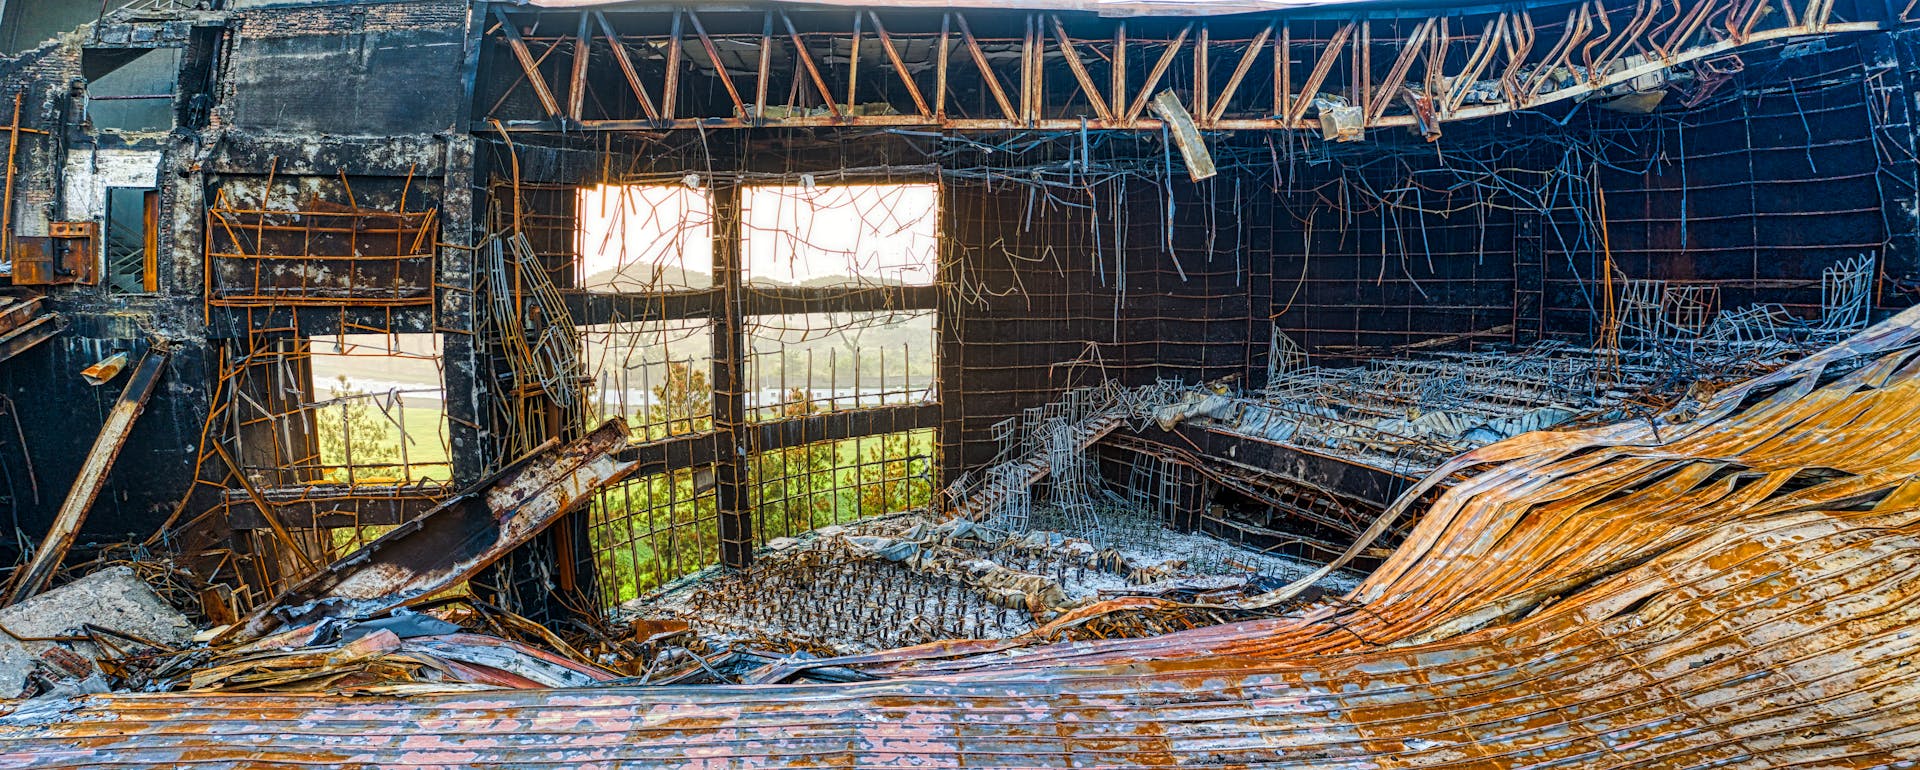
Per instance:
{"type": "Point", "coordinates": [112, 598]}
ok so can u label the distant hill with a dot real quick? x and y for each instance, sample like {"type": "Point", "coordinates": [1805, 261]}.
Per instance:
{"type": "Point", "coordinates": [645, 277]}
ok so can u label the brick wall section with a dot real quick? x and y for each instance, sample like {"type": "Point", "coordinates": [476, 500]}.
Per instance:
{"type": "Point", "coordinates": [403, 16]}
{"type": "Point", "coordinates": [43, 74]}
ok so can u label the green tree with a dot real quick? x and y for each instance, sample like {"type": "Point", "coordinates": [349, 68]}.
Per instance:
{"type": "Point", "coordinates": [355, 432]}
{"type": "Point", "coordinates": [683, 403]}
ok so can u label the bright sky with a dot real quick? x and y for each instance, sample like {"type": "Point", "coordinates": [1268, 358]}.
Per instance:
{"type": "Point", "coordinates": [876, 232]}
{"type": "Point", "coordinates": [793, 234]}
{"type": "Point", "coordinates": [643, 228]}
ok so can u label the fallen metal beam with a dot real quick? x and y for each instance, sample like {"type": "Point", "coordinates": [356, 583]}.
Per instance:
{"type": "Point", "coordinates": [93, 476]}
{"type": "Point", "coordinates": [328, 506]}
{"type": "Point", "coordinates": [455, 540]}
{"type": "Point", "coordinates": [15, 311]}
{"type": "Point", "coordinates": [1193, 148]}
{"type": "Point", "coordinates": [834, 426]}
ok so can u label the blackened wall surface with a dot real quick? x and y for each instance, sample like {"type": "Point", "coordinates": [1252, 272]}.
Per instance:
{"type": "Point", "coordinates": [314, 95]}
{"type": "Point", "coordinates": [1194, 260]}
{"type": "Point", "coordinates": [59, 415]}
{"type": "Point", "coordinates": [1396, 243]}
{"type": "Point", "coordinates": [353, 69]}
{"type": "Point", "coordinates": [1018, 313]}
{"type": "Point", "coordinates": [1772, 179]}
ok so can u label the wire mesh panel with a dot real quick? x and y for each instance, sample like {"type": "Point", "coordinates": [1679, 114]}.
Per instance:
{"type": "Point", "coordinates": [320, 255]}
{"type": "Point", "coordinates": [651, 529]}
{"type": "Point", "coordinates": [801, 488]}
{"type": "Point", "coordinates": [313, 443]}
{"type": "Point", "coordinates": [545, 215]}
{"type": "Point", "coordinates": [810, 363]}
{"type": "Point", "coordinates": [380, 407]}
{"type": "Point", "coordinates": [656, 374]}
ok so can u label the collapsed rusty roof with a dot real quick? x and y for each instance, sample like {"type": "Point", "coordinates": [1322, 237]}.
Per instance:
{"type": "Point", "coordinates": [1727, 590]}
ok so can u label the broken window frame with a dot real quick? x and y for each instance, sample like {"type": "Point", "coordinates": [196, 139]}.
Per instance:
{"type": "Point", "coordinates": [908, 417]}
{"type": "Point", "coordinates": [160, 124]}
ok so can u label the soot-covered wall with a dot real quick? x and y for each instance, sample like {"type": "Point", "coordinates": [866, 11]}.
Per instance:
{"type": "Point", "coordinates": [1141, 273]}
{"type": "Point", "coordinates": [1492, 235]}
{"type": "Point", "coordinates": [364, 69]}
{"type": "Point", "coordinates": [1797, 163]}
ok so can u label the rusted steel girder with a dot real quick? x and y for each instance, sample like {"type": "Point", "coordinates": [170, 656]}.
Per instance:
{"type": "Point", "coordinates": [455, 540]}
{"type": "Point", "coordinates": [93, 476]}
{"type": "Point", "coordinates": [26, 324]}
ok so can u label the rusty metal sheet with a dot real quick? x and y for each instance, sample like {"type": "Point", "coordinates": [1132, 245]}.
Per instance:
{"type": "Point", "coordinates": [17, 339]}
{"type": "Point", "coordinates": [1735, 590]}
{"type": "Point", "coordinates": [65, 257]}
{"type": "Point", "coordinates": [456, 539]}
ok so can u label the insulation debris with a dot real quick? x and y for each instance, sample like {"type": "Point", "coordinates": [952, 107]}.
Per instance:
{"type": "Point", "coordinates": [381, 660]}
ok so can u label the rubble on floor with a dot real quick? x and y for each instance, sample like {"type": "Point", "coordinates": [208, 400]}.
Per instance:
{"type": "Point", "coordinates": [914, 578]}
{"type": "Point", "coordinates": [400, 652]}
{"type": "Point", "coordinates": [354, 625]}
{"type": "Point", "coordinates": [93, 617]}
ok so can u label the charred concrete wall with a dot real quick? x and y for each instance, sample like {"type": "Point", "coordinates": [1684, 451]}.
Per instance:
{"type": "Point", "coordinates": [354, 69]}
{"type": "Point", "coordinates": [314, 94]}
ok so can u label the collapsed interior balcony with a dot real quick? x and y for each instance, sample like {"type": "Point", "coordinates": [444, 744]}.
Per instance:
{"type": "Point", "coordinates": [464, 382]}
